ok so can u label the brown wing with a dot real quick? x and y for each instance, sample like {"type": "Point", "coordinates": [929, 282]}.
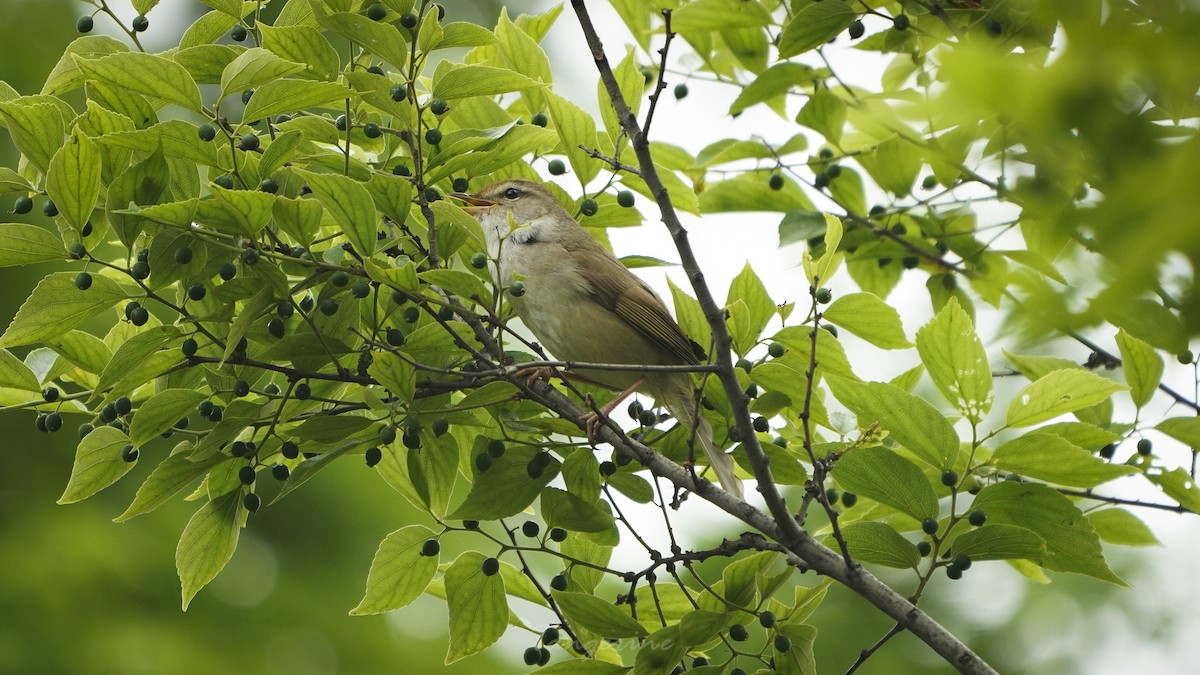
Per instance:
{"type": "Point", "coordinates": [617, 289]}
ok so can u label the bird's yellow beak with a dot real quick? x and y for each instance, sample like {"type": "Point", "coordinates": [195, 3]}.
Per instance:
{"type": "Point", "coordinates": [475, 205]}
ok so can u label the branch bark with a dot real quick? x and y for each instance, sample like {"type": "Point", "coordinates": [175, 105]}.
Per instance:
{"type": "Point", "coordinates": [780, 525]}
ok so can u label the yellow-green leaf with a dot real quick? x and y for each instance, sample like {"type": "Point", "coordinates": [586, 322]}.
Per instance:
{"type": "Point", "coordinates": [146, 74]}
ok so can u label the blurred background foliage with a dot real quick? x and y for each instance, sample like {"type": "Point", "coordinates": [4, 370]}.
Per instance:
{"type": "Point", "coordinates": [84, 595]}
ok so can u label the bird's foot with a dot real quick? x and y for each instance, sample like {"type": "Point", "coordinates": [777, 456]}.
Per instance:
{"type": "Point", "coordinates": [532, 375]}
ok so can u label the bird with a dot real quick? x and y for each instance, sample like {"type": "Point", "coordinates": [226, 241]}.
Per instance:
{"type": "Point", "coordinates": [582, 304]}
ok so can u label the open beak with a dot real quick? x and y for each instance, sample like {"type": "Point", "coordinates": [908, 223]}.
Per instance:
{"type": "Point", "coordinates": [475, 205]}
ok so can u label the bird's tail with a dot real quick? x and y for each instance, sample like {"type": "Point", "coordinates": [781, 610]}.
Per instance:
{"type": "Point", "coordinates": [681, 405]}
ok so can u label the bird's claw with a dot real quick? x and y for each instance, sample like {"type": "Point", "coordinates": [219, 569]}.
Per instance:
{"type": "Point", "coordinates": [532, 375]}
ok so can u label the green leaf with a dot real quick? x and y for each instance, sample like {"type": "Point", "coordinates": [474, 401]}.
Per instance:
{"type": "Point", "coordinates": [142, 184]}
{"type": "Point", "coordinates": [703, 16]}
{"type": "Point", "coordinates": [870, 318]}
{"type": "Point", "coordinates": [384, 39]}
{"type": "Point", "coordinates": [464, 34]}
{"type": "Point", "coordinates": [253, 308]}
{"type": "Point", "coordinates": [800, 226]}
{"type": "Point", "coordinates": [255, 68]}
{"type": "Point", "coordinates": [752, 192]}
{"type": "Point", "coordinates": [433, 470]}
{"type": "Point", "coordinates": [477, 604]}
{"type": "Point", "coordinates": [232, 8]}
{"type": "Point", "coordinates": [1186, 430]}
{"type": "Point", "coordinates": [662, 659]}
{"type": "Point", "coordinates": [394, 373]}
{"type": "Point", "coordinates": [822, 269]}
{"type": "Point", "coordinates": [73, 179]}
{"type": "Point", "coordinates": [584, 667]}
{"type": "Point", "coordinates": [1055, 460]}
{"type": "Point", "coordinates": [597, 616]}
{"type": "Point", "coordinates": [153, 76]}
{"type": "Point", "coordinates": [831, 356]}
{"type": "Point", "coordinates": [326, 429]}
{"type": "Point", "coordinates": [882, 475]}
{"type": "Point", "coordinates": [1177, 483]}
{"type": "Point", "coordinates": [98, 464]}
{"type": "Point", "coordinates": [912, 421]}
{"type": "Point", "coordinates": [894, 165]}
{"type": "Point", "coordinates": [740, 578]}
{"type": "Point", "coordinates": [575, 127]}
{"type": "Point", "coordinates": [776, 81]}
{"type": "Point", "coordinates": [302, 44]}
{"type": "Point", "coordinates": [747, 288]}
{"type": "Point", "coordinates": [957, 363]}
{"type": "Point", "coordinates": [825, 113]}
{"type": "Point", "coordinates": [813, 25]}
{"type": "Point", "coordinates": [522, 54]}
{"type": "Point", "coordinates": [1119, 526]}
{"type": "Point", "coordinates": [56, 306]}
{"type": "Point", "coordinates": [1142, 365]}
{"type": "Point", "coordinates": [632, 486]}
{"type": "Point", "coordinates": [631, 84]}
{"type": "Point", "coordinates": [350, 204]}
{"type": "Point", "coordinates": [170, 476]}
{"type": "Point", "coordinates": [23, 244]}
{"type": "Point", "coordinates": [1071, 543]}
{"type": "Point", "coordinates": [160, 413]}
{"type": "Point", "coordinates": [1000, 542]}
{"type": "Point", "coordinates": [176, 138]}
{"type": "Point", "coordinates": [399, 573]}
{"type": "Point", "coordinates": [1057, 393]}
{"type": "Point", "coordinates": [304, 471]}
{"type": "Point", "coordinates": [877, 543]}
{"type": "Point", "coordinates": [505, 489]}
{"type": "Point", "coordinates": [281, 96]}
{"type": "Point", "coordinates": [133, 353]}
{"type": "Point", "coordinates": [207, 543]}
{"type": "Point", "coordinates": [15, 374]}
{"type": "Point", "coordinates": [470, 81]}
{"type": "Point", "coordinates": [66, 75]}
{"type": "Point", "coordinates": [36, 129]}
{"type": "Point", "coordinates": [563, 509]}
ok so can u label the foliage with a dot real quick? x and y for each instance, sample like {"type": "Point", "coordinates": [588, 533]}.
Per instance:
{"type": "Point", "coordinates": [267, 272]}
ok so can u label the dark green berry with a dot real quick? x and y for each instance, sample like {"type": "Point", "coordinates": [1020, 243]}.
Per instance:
{"type": "Point", "coordinates": [929, 526]}
{"type": "Point", "coordinates": [556, 167]}
{"type": "Point", "coordinates": [625, 198]}
{"type": "Point", "coordinates": [994, 28]}
{"type": "Point", "coordinates": [250, 142]}
{"type": "Point", "coordinates": [83, 281]}
{"type": "Point", "coordinates": [341, 122]}
{"type": "Point", "coordinates": [269, 185]}
{"type": "Point", "coordinates": [432, 194]}
{"type": "Point", "coordinates": [387, 435]}
{"type": "Point", "coordinates": [50, 394]}
{"type": "Point", "coordinates": [1145, 447]}
{"type": "Point", "coordinates": [607, 468]}
{"type": "Point", "coordinates": [129, 454]}
{"type": "Point", "coordinates": [85, 24]}
{"type": "Point", "coordinates": [250, 256]}
{"type": "Point", "coordinates": [395, 337]}
{"type": "Point", "coordinates": [224, 181]}
{"type": "Point", "coordinates": [77, 250]}
{"type": "Point", "coordinates": [271, 389]}
{"type": "Point", "coordinates": [483, 462]}
{"type": "Point", "coordinates": [438, 107]}
{"type": "Point", "coordinates": [307, 303]}
{"type": "Point", "coordinates": [49, 209]}
{"type": "Point", "coordinates": [246, 475]}
{"type": "Point", "coordinates": [744, 364]}
{"type": "Point", "coordinates": [558, 534]}
{"type": "Point", "coordinates": [339, 278]}
{"type": "Point", "coordinates": [530, 528]}
{"type": "Point", "coordinates": [824, 295]}
{"type": "Point", "coordinates": [289, 450]}
{"type": "Point", "coordinates": [189, 347]}
{"type": "Point", "coordinates": [681, 90]}
{"type": "Point", "coordinates": [140, 270]}
{"type": "Point", "coordinates": [197, 292]}
{"type": "Point", "coordinates": [589, 207]}
{"type": "Point", "coordinates": [251, 502]}
{"type": "Point", "coordinates": [183, 255]}
{"type": "Point", "coordinates": [954, 572]}
{"type": "Point", "coordinates": [52, 422]}
{"type": "Point", "coordinates": [138, 316]}
{"type": "Point", "coordinates": [1186, 357]}
{"type": "Point", "coordinates": [782, 643]}
{"type": "Point", "coordinates": [372, 130]}
{"type": "Point", "coordinates": [23, 205]}
{"type": "Point", "coordinates": [433, 136]}
{"type": "Point", "coordinates": [461, 184]}
{"type": "Point", "coordinates": [280, 472]}
{"type": "Point", "coordinates": [949, 477]}
{"type": "Point", "coordinates": [539, 120]}
{"type": "Point", "coordinates": [302, 391]}
{"type": "Point", "coordinates": [398, 92]}
{"type": "Point", "coordinates": [479, 260]}
{"type": "Point", "coordinates": [227, 271]}
{"type": "Point", "coordinates": [408, 20]}
{"type": "Point", "coordinates": [856, 30]}
{"type": "Point", "coordinates": [241, 388]}
{"type": "Point", "coordinates": [559, 582]}
{"type": "Point", "coordinates": [206, 132]}
{"type": "Point", "coordinates": [377, 12]}
{"type": "Point", "coordinates": [140, 23]}
{"type": "Point", "coordinates": [924, 548]}
{"type": "Point", "coordinates": [550, 636]}
{"type": "Point", "coordinates": [430, 548]}
{"type": "Point", "coordinates": [929, 182]}
{"type": "Point", "coordinates": [776, 350]}
{"type": "Point", "coordinates": [440, 426]}
{"type": "Point", "coordinates": [849, 499]}
{"type": "Point", "coordinates": [412, 314]}
{"type": "Point", "coordinates": [490, 566]}
{"type": "Point", "coordinates": [329, 307]}
{"type": "Point", "coordinates": [531, 656]}
{"type": "Point", "coordinates": [360, 289]}
{"type": "Point", "coordinates": [738, 633]}
{"type": "Point", "coordinates": [495, 448]}
{"type": "Point", "coordinates": [761, 424]}
{"type": "Point", "coordinates": [766, 619]}
{"type": "Point", "coordinates": [85, 429]}
{"type": "Point", "coordinates": [976, 518]}
{"type": "Point", "coordinates": [775, 181]}
{"type": "Point", "coordinates": [373, 456]}
{"type": "Point", "coordinates": [900, 21]}
{"type": "Point", "coordinates": [276, 328]}
{"type": "Point", "coordinates": [516, 289]}
{"type": "Point", "coordinates": [238, 33]}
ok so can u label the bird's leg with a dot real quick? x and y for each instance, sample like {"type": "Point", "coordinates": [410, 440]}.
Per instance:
{"type": "Point", "coordinates": [590, 419]}
{"type": "Point", "coordinates": [532, 375]}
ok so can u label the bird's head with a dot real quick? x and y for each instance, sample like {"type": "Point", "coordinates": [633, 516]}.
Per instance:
{"type": "Point", "coordinates": [526, 200]}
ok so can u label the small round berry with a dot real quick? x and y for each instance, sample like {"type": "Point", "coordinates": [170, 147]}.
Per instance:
{"type": "Point", "coordinates": [438, 107]}
{"type": "Point", "coordinates": [550, 636]}
{"type": "Point", "coordinates": [241, 388]}
{"type": "Point", "coordinates": [962, 562]}
{"type": "Point", "coordinates": [744, 364]}
{"type": "Point", "coordinates": [302, 391]}
{"type": "Point", "coordinates": [929, 526]}
{"type": "Point", "coordinates": [250, 142]}
{"type": "Point", "coordinates": [977, 518]}
{"type": "Point", "coordinates": [929, 182]}
{"type": "Point", "coordinates": [372, 130]}
{"type": "Point", "coordinates": [559, 582]}
{"type": "Point", "coordinates": [824, 295]}
{"type": "Point", "coordinates": [479, 260]}
{"type": "Point", "coordinates": [252, 502]}
{"type": "Point", "coordinates": [738, 633]}
{"type": "Point", "coordinates": [924, 548]}
{"type": "Point", "coordinates": [53, 422]}
{"type": "Point", "coordinates": [954, 572]}
{"type": "Point", "coordinates": [276, 328]}
{"type": "Point", "coordinates": [539, 120]}
{"type": "Point", "coordinates": [516, 289]}
{"type": "Point", "coordinates": [85, 429]}
{"type": "Point", "coordinates": [360, 289]}
{"type": "Point", "coordinates": [49, 209]}
{"type": "Point", "coordinates": [50, 394]}
{"type": "Point", "coordinates": [83, 281]}
{"type": "Point", "coordinates": [23, 205]}
{"type": "Point", "coordinates": [140, 23]}
{"type": "Point", "coordinates": [329, 307]}
{"type": "Point", "coordinates": [395, 337]}
{"type": "Point", "coordinates": [250, 256]}
{"type": "Point", "coordinates": [206, 132]}
{"type": "Point", "coordinates": [556, 167]}
{"type": "Point", "coordinates": [432, 194]}
{"type": "Point", "coordinates": [496, 448]}
{"type": "Point", "coordinates": [901, 21]}
{"type": "Point", "coordinates": [949, 477]}
{"type": "Point", "coordinates": [340, 122]}
{"type": "Point", "coordinates": [412, 314]}
{"type": "Point", "coordinates": [1145, 447]}
{"type": "Point", "coordinates": [625, 198]}
{"type": "Point", "coordinates": [373, 456]}
{"type": "Point", "coordinates": [558, 534]}
{"type": "Point", "coordinates": [490, 566]}
{"type": "Point", "coordinates": [129, 454]}
{"type": "Point", "coordinates": [269, 185]}
{"type": "Point", "coordinates": [483, 462]}
{"type": "Point", "coordinates": [408, 20]}
{"type": "Point", "coordinates": [139, 270]}
{"type": "Point", "coordinates": [440, 426]}
{"type": "Point", "coordinates": [398, 92]}
{"type": "Point", "coordinates": [280, 472]}
{"type": "Point", "coordinates": [775, 182]}
{"type": "Point", "coordinates": [246, 475]}
{"type": "Point", "coordinates": [857, 29]}
{"type": "Point", "coordinates": [430, 548]}
{"type": "Point", "coordinates": [227, 271]}
{"type": "Point", "coordinates": [681, 90]}
{"type": "Point", "coordinates": [224, 181]}
{"type": "Point", "coordinates": [607, 468]}
{"type": "Point", "coordinates": [85, 24]}
{"type": "Point", "coordinates": [1186, 357]}
{"type": "Point", "coordinates": [530, 529]}
{"type": "Point", "coordinates": [183, 255]}
{"type": "Point", "coordinates": [189, 347]}
{"type": "Point", "coordinates": [766, 619]}
{"type": "Point", "coordinates": [761, 424]}
{"type": "Point", "coordinates": [138, 316]}
{"type": "Point", "coordinates": [461, 184]}
{"type": "Point", "coordinates": [589, 207]}
{"type": "Point", "coordinates": [433, 136]}
{"type": "Point", "coordinates": [776, 350]}
{"type": "Point", "coordinates": [238, 33]}
{"type": "Point", "coordinates": [849, 499]}
{"type": "Point", "coordinates": [377, 12]}
{"type": "Point", "coordinates": [782, 643]}
{"type": "Point", "coordinates": [197, 292]}
{"type": "Point", "coordinates": [531, 656]}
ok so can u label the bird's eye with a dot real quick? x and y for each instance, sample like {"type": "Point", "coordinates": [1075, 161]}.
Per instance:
{"type": "Point", "coordinates": [512, 193]}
